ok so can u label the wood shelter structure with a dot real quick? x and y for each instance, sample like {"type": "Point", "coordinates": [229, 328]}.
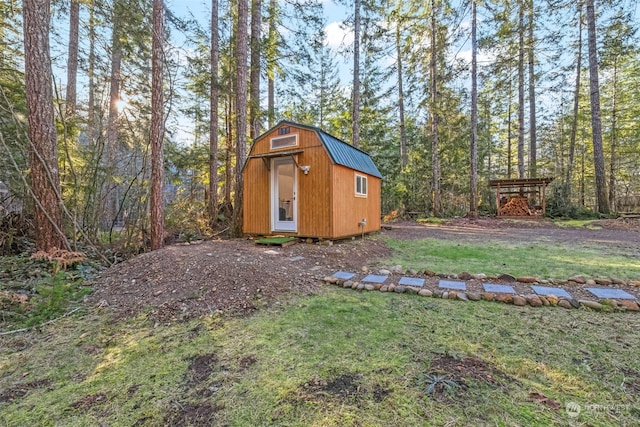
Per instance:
{"type": "Point", "coordinates": [300, 181]}
{"type": "Point", "coordinates": [521, 197]}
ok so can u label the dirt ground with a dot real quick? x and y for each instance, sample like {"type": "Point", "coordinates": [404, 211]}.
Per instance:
{"type": "Point", "coordinates": [238, 276]}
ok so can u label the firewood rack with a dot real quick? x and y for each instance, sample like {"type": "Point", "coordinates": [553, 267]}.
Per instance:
{"type": "Point", "coordinates": [514, 196]}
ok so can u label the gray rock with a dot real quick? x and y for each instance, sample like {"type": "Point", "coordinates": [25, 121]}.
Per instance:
{"type": "Point", "coordinates": [488, 296]}
{"type": "Point", "coordinates": [464, 276]}
{"type": "Point", "coordinates": [591, 282]}
{"type": "Point", "coordinates": [590, 304]}
{"type": "Point", "coordinates": [369, 287]}
{"type": "Point", "coordinates": [564, 304]}
{"type": "Point", "coordinates": [412, 272]}
{"type": "Point", "coordinates": [534, 300]}
{"type": "Point", "coordinates": [519, 301]}
{"type": "Point", "coordinates": [347, 284]}
{"type": "Point", "coordinates": [384, 272]}
{"type": "Point", "coordinates": [384, 288]}
{"type": "Point", "coordinates": [411, 290]}
{"type": "Point", "coordinates": [617, 281]}
{"type": "Point", "coordinates": [474, 296]}
{"type": "Point", "coordinates": [462, 296]}
{"type": "Point", "coordinates": [479, 276]}
{"type": "Point", "coordinates": [355, 285]}
{"type": "Point", "coordinates": [397, 269]}
{"type": "Point", "coordinates": [360, 286]}
{"type": "Point", "coordinates": [629, 305]}
{"type": "Point", "coordinates": [574, 303]}
{"type": "Point", "coordinates": [507, 278]}
{"type": "Point", "coordinates": [399, 289]}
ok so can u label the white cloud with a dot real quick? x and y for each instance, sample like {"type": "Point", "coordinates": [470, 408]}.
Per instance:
{"type": "Point", "coordinates": [338, 36]}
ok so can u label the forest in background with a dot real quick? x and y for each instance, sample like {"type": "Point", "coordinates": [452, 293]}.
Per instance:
{"type": "Point", "coordinates": [152, 114]}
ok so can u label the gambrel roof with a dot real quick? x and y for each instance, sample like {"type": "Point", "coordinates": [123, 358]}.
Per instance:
{"type": "Point", "coordinates": [340, 152]}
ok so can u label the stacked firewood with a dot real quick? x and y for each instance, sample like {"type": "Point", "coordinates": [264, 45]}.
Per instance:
{"type": "Point", "coordinates": [516, 206]}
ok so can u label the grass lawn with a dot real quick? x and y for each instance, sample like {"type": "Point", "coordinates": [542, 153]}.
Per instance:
{"type": "Point", "coordinates": [542, 260]}
{"type": "Point", "coordinates": [344, 358]}
{"type": "Point", "coordinates": [334, 359]}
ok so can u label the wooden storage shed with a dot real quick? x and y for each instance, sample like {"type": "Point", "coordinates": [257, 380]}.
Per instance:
{"type": "Point", "coordinates": [301, 181]}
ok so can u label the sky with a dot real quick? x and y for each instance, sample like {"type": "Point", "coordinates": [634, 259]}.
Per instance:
{"type": "Point", "coordinates": [334, 15]}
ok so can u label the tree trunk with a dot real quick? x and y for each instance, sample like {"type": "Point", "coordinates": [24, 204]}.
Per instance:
{"type": "Point", "coordinates": [213, 113]}
{"type": "Point", "coordinates": [157, 128]}
{"type": "Point", "coordinates": [254, 86]}
{"type": "Point", "coordinates": [596, 121]}
{"type": "Point", "coordinates": [473, 184]}
{"type": "Point", "coordinates": [614, 138]}
{"type": "Point", "coordinates": [355, 107]}
{"type": "Point", "coordinates": [111, 195]}
{"type": "Point", "coordinates": [403, 132]}
{"type": "Point", "coordinates": [533, 143]}
{"type": "Point", "coordinates": [43, 156]}
{"type": "Point", "coordinates": [241, 113]}
{"type": "Point", "coordinates": [521, 90]}
{"type": "Point", "coordinates": [271, 64]}
{"type": "Point", "coordinates": [92, 124]}
{"type": "Point", "coordinates": [72, 60]}
{"type": "Point", "coordinates": [435, 166]}
{"type": "Point", "coordinates": [509, 134]}
{"type": "Point", "coordinates": [576, 104]}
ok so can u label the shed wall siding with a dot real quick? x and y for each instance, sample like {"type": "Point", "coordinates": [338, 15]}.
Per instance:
{"type": "Point", "coordinates": [349, 210]}
{"type": "Point", "coordinates": [313, 195]}
{"type": "Point", "coordinates": [256, 205]}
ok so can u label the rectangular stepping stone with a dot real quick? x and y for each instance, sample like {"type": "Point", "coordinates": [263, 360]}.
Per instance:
{"type": "Point", "coordinates": [343, 275]}
{"type": "Point", "coordinates": [453, 284]}
{"type": "Point", "coordinates": [374, 278]}
{"type": "Point", "coordinates": [411, 281]}
{"type": "Point", "coordinates": [498, 289]}
{"type": "Point", "coordinates": [546, 290]}
{"type": "Point", "coordinates": [610, 293]}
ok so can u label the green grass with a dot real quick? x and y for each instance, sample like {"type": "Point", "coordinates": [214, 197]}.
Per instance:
{"type": "Point", "coordinates": [338, 358]}
{"type": "Point", "coordinates": [577, 223]}
{"type": "Point", "coordinates": [542, 260]}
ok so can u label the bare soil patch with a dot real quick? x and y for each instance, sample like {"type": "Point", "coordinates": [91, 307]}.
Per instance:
{"type": "Point", "coordinates": [20, 390]}
{"type": "Point", "coordinates": [237, 276]}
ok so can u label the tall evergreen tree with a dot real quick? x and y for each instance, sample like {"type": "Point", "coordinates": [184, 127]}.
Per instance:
{"type": "Point", "coordinates": [157, 128]}
{"type": "Point", "coordinates": [43, 156]}
{"type": "Point", "coordinates": [596, 120]}
{"type": "Point", "coordinates": [241, 111]}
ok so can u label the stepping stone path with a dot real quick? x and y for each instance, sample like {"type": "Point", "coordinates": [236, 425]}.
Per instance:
{"type": "Point", "coordinates": [546, 290]}
{"type": "Point", "coordinates": [544, 295]}
{"type": "Point", "coordinates": [498, 289]}
{"type": "Point", "coordinates": [610, 293]}
{"type": "Point", "coordinates": [452, 284]}
{"type": "Point", "coordinates": [343, 275]}
{"type": "Point", "coordinates": [374, 278]}
{"type": "Point", "coordinates": [411, 281]}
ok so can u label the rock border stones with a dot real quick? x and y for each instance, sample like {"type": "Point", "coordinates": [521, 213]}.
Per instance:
{"type": "Point", "coordinates": [531, 300]}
